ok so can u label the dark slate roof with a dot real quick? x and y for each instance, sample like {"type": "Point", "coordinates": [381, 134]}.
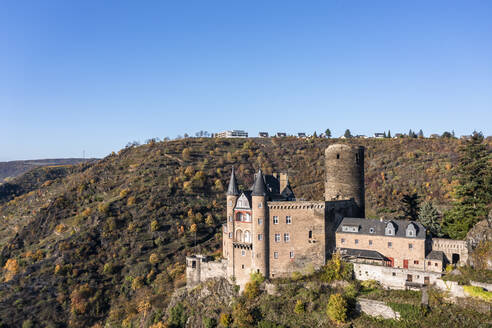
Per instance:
{"type": "Point", "coordinates": [362, 254]}
{"type": "Point", "coordinates": [365, 226]}
{"type": "Point", "coordinates": [287, 193]}
{"type": "Point", "coordinates": [233, 190]}
{"type": "Point", "coordinates": [435, 255]}
{"type": "Point", "coordinates": [259, 188]}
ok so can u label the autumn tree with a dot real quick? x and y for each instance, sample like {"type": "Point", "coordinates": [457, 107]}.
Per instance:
{"type": "Point", "coordinates": [337, 308]}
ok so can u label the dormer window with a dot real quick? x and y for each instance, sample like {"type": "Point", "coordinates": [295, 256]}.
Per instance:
{"type": "Point", "coordinates": [390, 229]}
{"type": "Point", "coordinates": [371, 230]}
{"type": "Point", "coordinates": [411, 230]}
{"type": "Point", "coordinates": [243, 202]}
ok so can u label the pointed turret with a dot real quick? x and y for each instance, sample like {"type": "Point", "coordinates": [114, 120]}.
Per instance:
{"type": "Point", "coordinates": [259, 187]}
{"type": "Point", "coordinates": [233, 190]}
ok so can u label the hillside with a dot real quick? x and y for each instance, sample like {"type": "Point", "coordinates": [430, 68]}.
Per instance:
{"type": "Point", "coordinates": [12, 169]}
{"type": "Point", "coordinates": [104, 241]}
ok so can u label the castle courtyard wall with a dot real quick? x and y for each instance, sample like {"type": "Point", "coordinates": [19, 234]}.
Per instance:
{"type": "Point", "coordinates": [450, 247]}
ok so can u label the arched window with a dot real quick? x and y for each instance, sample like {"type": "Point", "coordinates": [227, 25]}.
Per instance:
{"type": "Point", "coordinates": [239, 235]}
{"type": "Point", "coordinates": [247, 236]}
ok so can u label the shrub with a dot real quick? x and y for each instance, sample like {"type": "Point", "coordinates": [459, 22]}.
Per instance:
{"type": "Point", "coordinates": [153, 258]}
{"type": "Point", "coordinates": [299, 307]}
{"type": "Point", "coordinates": [478, 292]}
{"type": "Point", "coordinates": [177, 316]}
{"type": "Point", "coordinates": [337, 308]}
{"type": "Point", "coordinates": [209, 322]}
{"type": "Point", "coordinates": [296, 276]}
{"type": "Point", "coordinates": [130, 201]}
{"type": "Point", "coordinates": [225, 320]}
{"type": "Point", "coordinates": [251, 290]}
{"type": "Point", "coordinates": [154, 225]}
{"type": "Point", "coordinates": [12, 268]}
{"type": "Point", "coordinates": [124, 192]}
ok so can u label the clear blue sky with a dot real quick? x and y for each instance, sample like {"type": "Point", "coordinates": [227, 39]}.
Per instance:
{"type": "Point", "coordinates": [93, 75]}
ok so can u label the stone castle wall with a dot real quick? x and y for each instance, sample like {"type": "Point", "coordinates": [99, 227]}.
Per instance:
{"type": "Point", "coordinates": [450, 247]}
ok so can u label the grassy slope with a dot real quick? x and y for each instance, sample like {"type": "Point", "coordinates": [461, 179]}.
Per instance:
{"type": "Point", "coordinates": [83, 242]}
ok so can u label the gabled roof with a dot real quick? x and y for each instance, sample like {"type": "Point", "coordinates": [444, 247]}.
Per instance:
{"type": "Point", "coordinates": [259, 187]}
{"type": "Point", "coordinates": [435, 255]}
{"type": "Point", "coordinates": [233, 190]}
{"type": "Point", "coordinates": [377, 227]}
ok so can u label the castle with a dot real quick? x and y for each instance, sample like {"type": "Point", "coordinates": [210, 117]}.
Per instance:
{"type": "Point", "coordinates": [268, 231]}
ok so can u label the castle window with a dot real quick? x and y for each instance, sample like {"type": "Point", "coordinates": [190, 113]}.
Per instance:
{"type": "Point", "coordinates": [275, 220]}
{"type": "Point", "coordinates": [242, 266]}
{"type": "Point", "coordinates": [260, 236]}
{"type": "Point", "coordinates": [239, 235]}
{"type": "Point", "coordinates": [230, 218]}
{"type": "Point", "coordinates": [247, 236]}
{"type": "Point", "coordinates": [370, 242]}
{"type": "Point", "coordinates": [357, 158]}
{"type": "Point", "coordinates": [291, 254]}
{"type": "Point", "coordinates": [288, 220]}
{"type": "Point", "coordinates": [310, 234]}
{"type": "Point", "coordinates": [260, 221]}
{"type": "Point", "coordinates": [415, 262]}
{"type": "Point", "coordinates": [230, 234]}
{"type": "Point", "coordinates": [435, 264]}
{"type": "Point", "coordinates": [356, 241]}
{"type": "Point", "coordinates": [343, 240]}
{"type": "Point", "coordinates": [338, 156]}
{"type": "Point", "coordinates": [243, 253]}
{"type": "Point", "coordinates": [259, 205]}
{"type": "Point", "coordinates": [286, 237]}
{"type": "Point", "coordinates": [394, 274]}
{"type": "Point", "coordinates": [193, 264]}
{"type": "Point", "coordinates": [277, 237]}
{"type": "Point", "coordinates": [410, 246]}
{"type": "Point", "coordinates": [429, 263]}
{"type": "Point", "coordinates": [390, 244]}
{"type": "Point", "coordinates": [275, 255]}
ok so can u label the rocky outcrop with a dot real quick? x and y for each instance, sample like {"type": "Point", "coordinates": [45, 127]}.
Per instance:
{"type": "Point", "coordinates": [376, 309]}
{"type": "Point", "coordinates": [478, 237]}
{"type": "Point", "coordinates": [208, 299]}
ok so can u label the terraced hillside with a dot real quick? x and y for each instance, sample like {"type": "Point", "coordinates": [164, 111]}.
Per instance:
{"type": "Point", "coordinates": [102, 242]}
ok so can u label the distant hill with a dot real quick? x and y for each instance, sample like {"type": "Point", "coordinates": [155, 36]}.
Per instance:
{"type": "Point", "coordinates": [102, 244]}
{"type": "Point", "coordinates": [13, 169]}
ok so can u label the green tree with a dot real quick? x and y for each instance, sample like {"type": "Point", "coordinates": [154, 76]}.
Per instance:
{"type": "Point", "coordinates": [347, 134]}
{"type": "Point", "coordinates": [389, 134]}
{"type": "Point", "coordinates": [430, 218]}
{"type": "Point", "coordinates": [299, 307]}
{"type": "Point", "coordinates": [421, 133]}
{"type": "Point", "coordinates": [473, 194]}
{"type": "Point", "coordinates": [209, 322]}
{"type": "Point", "coordinates": [410, 207]}
{"type": "Point", "coordinates": [177, 317]}
{"type": "Point", "coordinates": [337, 308]}
{"type": "Point", "coordinates": [328, 133]}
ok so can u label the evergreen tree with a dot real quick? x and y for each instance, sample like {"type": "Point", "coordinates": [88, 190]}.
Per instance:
{"type": "Point", "coordinates": [389, 134]}
{"type": "Point", "coordinates": [446, 134]}
{"type": "Point", "coordinates": [347, 134]}
{"type": "Point", "coordinates": [473, 195]}
{"type": "Point", "coordinates": [410, 207]}
{"type": "Point", "coordinates": [430, 218]}
{"type": "Point", "coordinates": [421, 133]}
{"type": "Point", "coordinates": [410, 133]}
{"type": "Point", "coordinates": [315, 135]}
{"type": "Point", "coordinates": [328, 133]}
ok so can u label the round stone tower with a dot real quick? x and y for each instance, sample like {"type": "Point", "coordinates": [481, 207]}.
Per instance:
{"type": "Point", "coordinates": [344, 175]}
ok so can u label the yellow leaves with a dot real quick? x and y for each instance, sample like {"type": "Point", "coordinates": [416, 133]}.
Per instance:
{"type": "Point", "coordinates": [153, 258]}
{"type": "Point", "coordinates": [218, 185]}
{"type": "Point", "coordinates": [137, 282]}
{"type": "Point", "coordinates": [103, 208]}
{"type": "Point", "coordinates": [188, 186]}
{"type": "Point", "coordinates": [58, 268]}
{"type": "Point", "coordinates": [143, 306]}
{"type": "Point", "coordinates": [124, 192]}
{"type": "Point", "coordinates": [12, 268]}
{"type": "Point", "coordinates": [209, 220]}
{"type": "Point", "coordinates": [193, 227]}
{"type": "Point", "coordinates": [154, 225]}
{"type": "Point", "coordinates": [61, 228]}
{"type": "Point", "coordinates": [189, 171]}
{"type": "Point", "coordinates": [186, 154]}
{"type": "Point", "coordinates": [130, 201]}
{"type": "Point", "coordinates": [87, 212]}
{"type": "Point", "coordinates": [448, 166]}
